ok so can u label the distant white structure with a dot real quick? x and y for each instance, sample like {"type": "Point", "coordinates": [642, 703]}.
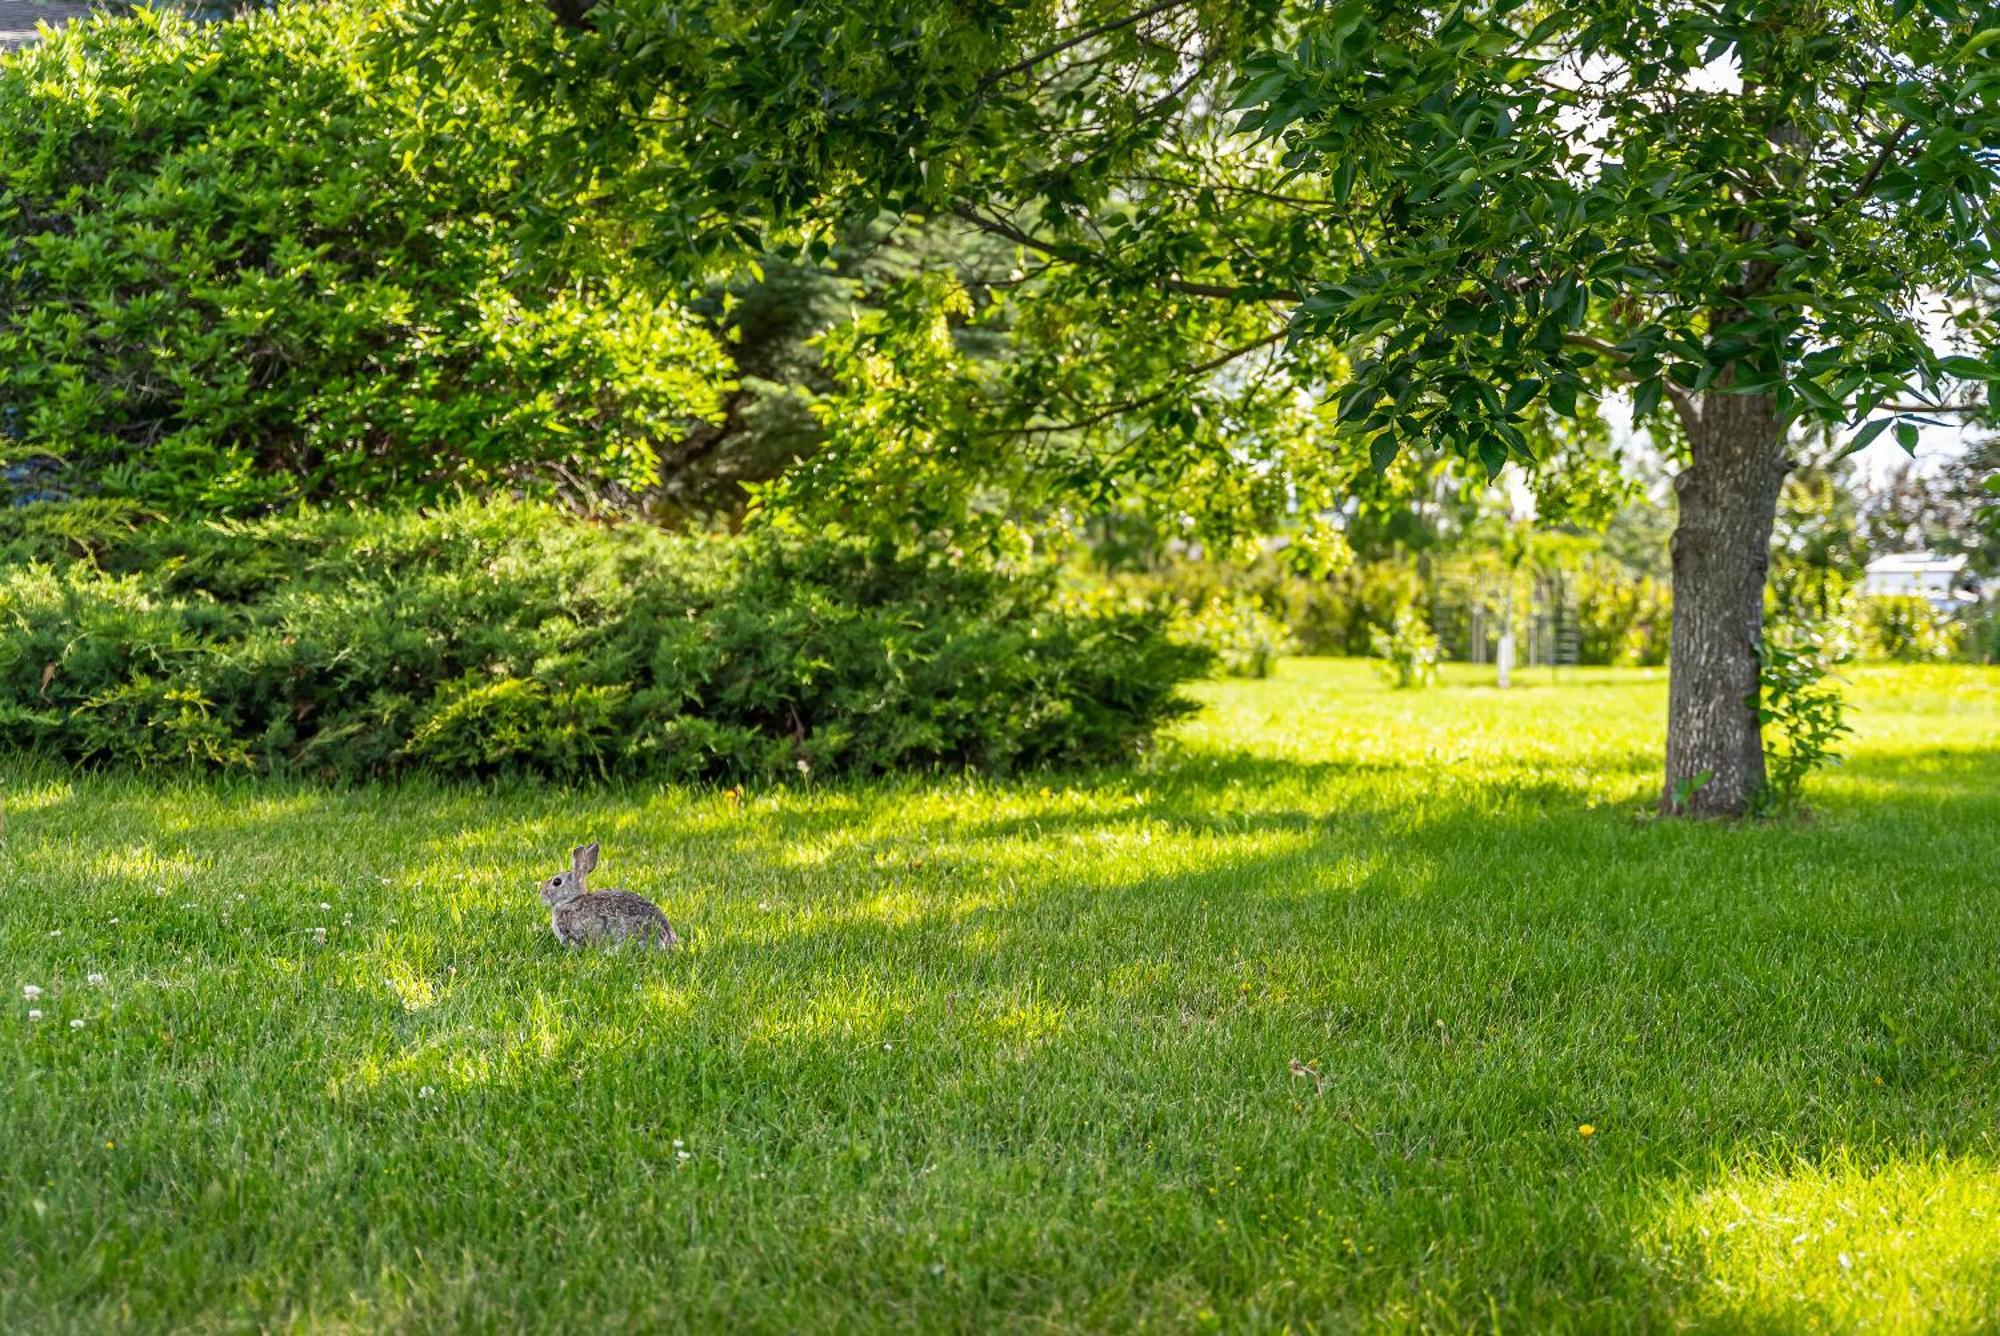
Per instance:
{"type": "Point", "coordinates": [1940, 580]}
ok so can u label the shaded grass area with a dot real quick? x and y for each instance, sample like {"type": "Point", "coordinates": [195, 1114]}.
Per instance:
{"type": "Point", "coordinates": [1299, 1023]}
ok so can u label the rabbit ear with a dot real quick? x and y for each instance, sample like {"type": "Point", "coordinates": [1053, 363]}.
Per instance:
{"type": "Point", "coordinates": [584, 860]}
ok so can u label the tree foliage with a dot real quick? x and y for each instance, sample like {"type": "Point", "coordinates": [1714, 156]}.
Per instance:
{"type": "Point", "coordinates": [1681, 199]}
{"type": "Point", "coordinates": [248, 264]}
{"type": "Point", "coordinates": [1467, 221]}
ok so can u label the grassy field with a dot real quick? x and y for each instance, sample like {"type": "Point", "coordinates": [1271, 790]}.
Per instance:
{"type": "Point", "coordinates": [1352, 1008]}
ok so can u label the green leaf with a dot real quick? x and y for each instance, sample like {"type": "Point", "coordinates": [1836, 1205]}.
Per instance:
{"type": "Point", "coordinates": [1862, 439]}
{"type": "Point", "coordinates": [1647, 397]}
{"type": "Point", "coordinates": [1977, 43]}
{"type": "Point", "coordinates": [1562, 397]}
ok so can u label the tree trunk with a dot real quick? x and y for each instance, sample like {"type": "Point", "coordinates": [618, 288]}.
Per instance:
{"type": "Point", "coordinates": [1722, 550]}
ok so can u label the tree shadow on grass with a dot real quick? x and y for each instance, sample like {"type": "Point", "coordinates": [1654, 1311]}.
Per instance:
{"type": "Point", "coordinates": [910, 1018]}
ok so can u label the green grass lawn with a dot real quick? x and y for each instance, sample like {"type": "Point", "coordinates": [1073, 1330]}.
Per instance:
{"type": "Point", "coordinates": [1301, 1023]}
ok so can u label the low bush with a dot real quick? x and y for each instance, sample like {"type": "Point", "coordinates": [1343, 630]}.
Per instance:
{"type": "Point", "coordinates": [1338, 613]}
{"type": "Point", "coordinates": [1245, 640]}
{"type": "Point", "coordinates": [1407, 650]}
{"type": "Point", "coordinates": [498, 638]}
{"type": "Point", "coordinates": [1905, 629]}
{"type": "Point", "coordinates": [1624, 618]}
{"type": "Point", "coordinates": [1800, 708]}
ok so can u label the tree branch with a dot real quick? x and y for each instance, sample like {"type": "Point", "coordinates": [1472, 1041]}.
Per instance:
{"type": "Point", "coordinates": [1882, 159]}
{"type": "Point", "coordinates": [1000, 227]}
{"type": "Point", "coordinates": [1683, 402]}
{"type": "Point", "coordinates": [1105, 412]}
{"type": "Point", "coordinates": [1027, 63]}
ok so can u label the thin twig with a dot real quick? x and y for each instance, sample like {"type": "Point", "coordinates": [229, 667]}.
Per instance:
{"type": "Point", "coordinates": [1027, 63]}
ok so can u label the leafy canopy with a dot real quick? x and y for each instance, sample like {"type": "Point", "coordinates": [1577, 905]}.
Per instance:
{"type": "Point", "coordinates": [1467, 222]}
{"type": "Point", "coordinates": [1551, 200]}
{"type": "Point", "coordinates": [247, 264]}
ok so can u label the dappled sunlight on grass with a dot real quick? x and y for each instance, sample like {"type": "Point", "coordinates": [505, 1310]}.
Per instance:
{"type": "Point", "coordinates": [1294, 1023]}
{"type": "Point", "coordinates": [1841, 1245]}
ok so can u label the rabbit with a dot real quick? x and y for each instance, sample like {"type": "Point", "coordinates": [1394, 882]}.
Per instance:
{"type": "Point", "coordinates": [581, 916]}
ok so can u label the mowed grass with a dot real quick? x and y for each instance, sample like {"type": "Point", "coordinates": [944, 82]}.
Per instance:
{"type": "Point", "coordinates": [1302, 1023]}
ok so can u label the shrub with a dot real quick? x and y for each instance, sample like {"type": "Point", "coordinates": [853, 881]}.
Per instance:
{"type": "Point", "coordinates": [1331, 614]}
{"type": "Point", "coordinates": [1906, 629]}
{"type": "Point", "coordinates": [1338, 614]}
{"type": "Point", "coordinates": [244, 263]}
{"type": "Point", "coordinates": [1245, 640]}
{"type": "Point", "coordinates": [1981, 635]}
{"type": "Point", "coordinates": [1802, 712]}
{"type": "Point", "coordinates": [1407, 649]}
{"type": "Point", "coordinates": [1231, 613]}
{"type": "Point", "coordinates": [498, 638]}
{"type": "Point", "coordinates": [1623, 618]}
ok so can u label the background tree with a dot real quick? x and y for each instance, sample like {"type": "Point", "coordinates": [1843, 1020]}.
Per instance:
{"type": "Point", "coordinates": [1948, 509]}
{"type": "Point", "coordinates": [246, 267]}
{"type": "Point", "coordinates": [1464, 216]}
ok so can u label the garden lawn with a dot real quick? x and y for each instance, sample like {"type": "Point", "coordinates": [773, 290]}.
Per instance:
{"type": "Point", "coordinates": [1353, 1007]}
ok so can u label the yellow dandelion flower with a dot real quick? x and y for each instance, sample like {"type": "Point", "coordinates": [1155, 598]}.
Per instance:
{"type": "Point", "coordinates": [1586, 1130]}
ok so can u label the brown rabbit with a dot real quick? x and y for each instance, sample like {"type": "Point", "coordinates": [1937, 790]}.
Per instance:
{"type": "Point", "coordinates": [581, 916]}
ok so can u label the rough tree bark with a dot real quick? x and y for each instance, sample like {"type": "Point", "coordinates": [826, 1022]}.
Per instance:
{"type": "Point", "coordinates": [1728, 498]}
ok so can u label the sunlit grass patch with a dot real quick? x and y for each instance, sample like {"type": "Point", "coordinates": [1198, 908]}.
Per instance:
{"type": "Point", "coordinates": [1841, 1245]}
{"type": "Point", "coordinates": [1296, 1024]}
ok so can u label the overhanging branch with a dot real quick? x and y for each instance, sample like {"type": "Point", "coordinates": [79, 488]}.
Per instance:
{"type": "Point", "coordinates": [1029, 62]}
{"type": "Point", "coordinates": [1083, 255]}
{"type": "Point", "coordinates": [1105, 412]}
{"type": "Point", "coordinates": [1683, 402]}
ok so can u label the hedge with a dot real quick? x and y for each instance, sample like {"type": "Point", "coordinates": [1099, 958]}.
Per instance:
{"type": "Point", "coordinates": [502, 637]}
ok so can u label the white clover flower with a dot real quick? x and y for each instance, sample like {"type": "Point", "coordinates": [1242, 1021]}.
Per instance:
{"type": "Point", "coordinates": [678, 1143]}
{"type": "Point", "coordinates": [324, 905]}
{"type": "Point", "coordinates": [30, 991]}
{"type": "Point", "coordinates": [55, 932]}
{"type": "Point", "coordinates": [425, 1092]}
{"type": "Point", "coordinates": [34, 1015]}
{"type": "Point", "coordinates": [94, 979]}
{"type": "Point", "coordinates": [114, 918]}
{"type": "Point", "coordinates": [319, 936]}
{"type": "Point", "coordinates": [76, 1024]}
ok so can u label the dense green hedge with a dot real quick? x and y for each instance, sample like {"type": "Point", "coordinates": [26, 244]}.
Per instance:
{"type": "Point", "coordinates": [246, 263]}
{"type": "Point", "coordinates": [495, 638]}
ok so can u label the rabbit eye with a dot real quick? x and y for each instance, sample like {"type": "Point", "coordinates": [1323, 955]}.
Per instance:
{"type": "Point", "coordinates": [556, 882]}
